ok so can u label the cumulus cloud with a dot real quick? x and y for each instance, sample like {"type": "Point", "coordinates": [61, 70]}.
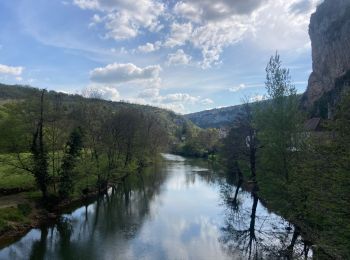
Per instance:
{"type": "Point", "coordinates": [101, 92]}
{"type": "Point", "coordinates": [174, 101]}
{"type": "Point", "coordinates": [149, 47]}
{"type": "Point", "coordinates": [87, 4]}
{"type": "Point", "coordinates": [301, 7]}
{"type": "Point", "coordinates": [212, 38]}
{"type": "Point", "coordinates": [119, 72]}
{"type": "Point", "coordinates": [15, 71]}
{"type": "Point", "coordinates": [237, 88]}
{"type": "Point", "coordinates": [180, 33]}
{"type": "Point", "coordinates": [256, 98]}
{"type": "Point", "coordinates": [205, 25]}
{"type": "Point", "coordinates": [179, 58]}
{"type": "Point", "coordinates": [179, 97]}
{"type": "Point", "coordinates": [206, 101]}
{"type": "Point", "coordinates": [124, 19]}
{"type": "Point", "coordinates": [207, 10]}
{"type": "Point", "coordinates": [151, 93]}
{"type": "Point", "coordinates": [179, 101]}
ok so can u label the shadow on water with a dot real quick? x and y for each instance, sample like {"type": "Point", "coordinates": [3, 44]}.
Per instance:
{"type": "Point", "coordinates": [180, 209]}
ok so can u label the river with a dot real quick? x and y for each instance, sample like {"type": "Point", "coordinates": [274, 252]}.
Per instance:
{"type": "Point", "coordinates": [177, 209]}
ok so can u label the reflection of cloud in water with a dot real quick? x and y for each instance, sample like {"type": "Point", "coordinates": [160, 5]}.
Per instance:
{"type": "Point", "coordinates": [175, 212]}
{"type": "Point", "coordinates": [180, 238]}
{"type": "Point", "coordinates": [172, 157]}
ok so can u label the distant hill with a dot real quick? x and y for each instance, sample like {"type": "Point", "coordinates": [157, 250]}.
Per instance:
{"type": "Point", "coordinates": [215, 118]}
{"type": "Point", "coordinates": [10, 93]}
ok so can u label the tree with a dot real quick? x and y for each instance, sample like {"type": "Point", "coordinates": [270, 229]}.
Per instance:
{"type": "Point", "coordinates": [278, 120]}
{"type": "Point", "coordinates": [241, 144]}
{"type": "Point", "coordinates": [39, 153]}
{"type": "Point", "coordinates": [73, 148]}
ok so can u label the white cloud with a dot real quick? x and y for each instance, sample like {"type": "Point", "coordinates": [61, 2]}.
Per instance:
{"type": "Point", "coordinates": [301, 7]}
{"type": "Point", "coordinates": [207, 101]}
{"type": "Point", "coordinates": [282, 25]}
{"type": "Point", "coordinates": [207, 10]}
{"type": "Point", "coordinates": [180, 33]}
{"type": "Point", "coordinates": [238, 88]}
{"type": "Point", "coordinates": [270, 24]}
{"type": "Point", "coordinates": [149, 47]}
{"type": "Point", "coordinates": [87, 4]}
{"type": "Point", "coordinates": [207, 26]}
{"type": "Point", "coordinates": [101, 92]}
{"type": "Point", "coordinates": [151, 93]}
{"type": "Point", "coordinates": [188, 10]}
{"type": "Point", "coordinates": [124, 19]}
{"type": "Point", "coordinates": [179, 58]}
{"type": "Point", "coordinates": [174, 101]}
{"type": "Point", "coordinates": [256, 98]}
{"type": "Point", "coordinates": [212, 38]}
{"type": "Point", "coordinates": [96, 19]}
{"type": "Point", "coordinates": [244, 86]}
{"type": "Point", "coordinates": [179, 97]}
{"type": "Point", "coordinates": [119, 72]}
{"type": "Point", "coordinates": [15, 71]}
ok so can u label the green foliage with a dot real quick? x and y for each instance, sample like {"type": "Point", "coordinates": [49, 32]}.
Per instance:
{"type": "Point", "coordinates": [24, 208]}
{"type": "Point", "coordinates": [11, 215]}
{"type": "Point", "coordinates": [316, 198]}
{"type": "Point", "coordinates": [304, 176]}
{"type": "Point", "coordinates": [74, 146]}
{"type": "Point", "coordinates": [14, 178]}
{"type": "Point", "coordinates": [198, 142]}
{"type": "Point", "coordinates": [45, 140]}
{"type": "Point", "coordinates": [278, 121]}
{"type": "Point", "coordinates": [241, 144]}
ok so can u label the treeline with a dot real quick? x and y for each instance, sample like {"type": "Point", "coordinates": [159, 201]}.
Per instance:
{"type": "Point", "coordinates": [196, 142]}
{"type": "Point", "coordinates": [303, 174]}
{"type": "Point", "coordinates": [74, 148]}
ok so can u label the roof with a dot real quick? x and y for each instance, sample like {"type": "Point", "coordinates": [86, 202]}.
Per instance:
{"type": "Point", "coordinates": [312, 124]}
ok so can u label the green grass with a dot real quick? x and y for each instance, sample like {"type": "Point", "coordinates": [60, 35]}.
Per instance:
{"type": "Point", "coordinates": [11, 177]}
{"type": "Point", "coordinates": [11, 215]}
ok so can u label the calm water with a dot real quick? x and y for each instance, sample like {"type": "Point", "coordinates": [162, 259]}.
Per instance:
{"type": "Point", "coordinates": [180, 209]}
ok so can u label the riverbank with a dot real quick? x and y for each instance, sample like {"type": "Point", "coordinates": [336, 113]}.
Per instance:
{"type": "Point", "coordinates": [157, 202]}
{"type": "Point", "coordinates": [19, 213]}
{"type": "Point", "coordinates": [25, 213]}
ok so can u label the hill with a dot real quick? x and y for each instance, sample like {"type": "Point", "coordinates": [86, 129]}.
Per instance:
{"type": "Point", "coordinates": [214, 118]}
{"type": "Point", "coordinates": [169, 118]}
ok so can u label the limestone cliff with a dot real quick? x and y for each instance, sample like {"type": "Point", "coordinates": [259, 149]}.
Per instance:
{"type": "Point", "coordinates": [330, 37]}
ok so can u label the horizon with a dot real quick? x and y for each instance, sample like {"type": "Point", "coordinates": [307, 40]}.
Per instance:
{"type": "Point", "coordinates": [186, 56]}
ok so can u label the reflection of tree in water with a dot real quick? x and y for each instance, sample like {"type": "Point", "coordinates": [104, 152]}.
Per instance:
{"type": "Point", "coordinates": [39, 247]}
{"type": "Point", "coordinates": [116, 216]}
{"type": "Point", "coordinates": [254, 236]}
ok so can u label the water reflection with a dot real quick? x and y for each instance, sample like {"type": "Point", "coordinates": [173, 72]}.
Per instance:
{"type": "Point", "coordinates": [257, 233]}
{"type": "Point", "coordinates": [180, 209]}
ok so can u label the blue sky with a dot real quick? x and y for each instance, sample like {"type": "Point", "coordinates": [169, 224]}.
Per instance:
{"type": "Point", "coordinates": [187, 55]}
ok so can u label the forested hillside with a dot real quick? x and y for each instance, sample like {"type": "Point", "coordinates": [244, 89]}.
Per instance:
{"type": "Point", "coordinates": [19, 92]}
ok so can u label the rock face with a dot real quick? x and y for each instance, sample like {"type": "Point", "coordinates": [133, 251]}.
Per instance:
{"type": "Point", "coordinates": [215, 118]}
{"type": "Point", "coordinates": [330, 37]}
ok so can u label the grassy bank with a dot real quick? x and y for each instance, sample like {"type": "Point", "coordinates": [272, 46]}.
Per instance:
{"type": "Point", "coordinates": [21, 205]}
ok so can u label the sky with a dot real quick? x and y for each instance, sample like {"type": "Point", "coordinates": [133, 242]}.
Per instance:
{"type": "Point", "coordinates": [187, 55]}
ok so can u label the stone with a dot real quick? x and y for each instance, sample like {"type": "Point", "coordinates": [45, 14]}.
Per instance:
{"type": "Point", "coordinates": [329, 32]}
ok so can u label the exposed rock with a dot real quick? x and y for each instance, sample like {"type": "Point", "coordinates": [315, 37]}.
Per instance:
{"type": "Point", "coordinates": [215, 118]}
{"type": "Point", "coordinates": [330, 37]}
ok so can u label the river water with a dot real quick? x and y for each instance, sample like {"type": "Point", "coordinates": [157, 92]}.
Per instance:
{"type": "Point", "coordinates": [178, 209]}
